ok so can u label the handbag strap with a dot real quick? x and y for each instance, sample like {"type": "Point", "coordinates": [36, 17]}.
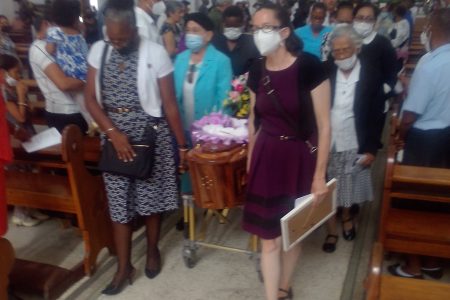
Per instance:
{"type": "Point", "coordinates": [271, 92]}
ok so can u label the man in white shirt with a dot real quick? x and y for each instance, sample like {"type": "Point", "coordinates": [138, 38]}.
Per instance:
{"type": "Point", "coordinates": [62, 94]}
{"type": "Point", "coordinates": [145, 22]}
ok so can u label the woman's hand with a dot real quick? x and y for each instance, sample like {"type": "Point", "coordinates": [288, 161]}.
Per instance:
{"type": "Point", "coordinates": [369, 158]}
{"type": "Point", "coordinates": [183, 167]}
{"type": "Point", "coordinates": [319, 189]}
{"type": "Point", "coordinates": [123, 147]}
{"type": "Point", "coordinates": [22, 134]}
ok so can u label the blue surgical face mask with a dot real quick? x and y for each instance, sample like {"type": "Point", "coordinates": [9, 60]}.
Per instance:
{"type": "Point", "coordinates": [194, 42]}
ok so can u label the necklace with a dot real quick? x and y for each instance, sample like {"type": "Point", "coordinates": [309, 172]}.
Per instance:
{"type": "Point", "coordinates": [121, 63]}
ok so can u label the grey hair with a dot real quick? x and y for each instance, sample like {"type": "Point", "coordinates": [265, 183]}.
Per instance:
{"type": "Point", "coordinates": [123, 16]}
{"type": "Point", "coordinates": [345, 31]}
{"type": "Point", "coordinates": [172, 6]}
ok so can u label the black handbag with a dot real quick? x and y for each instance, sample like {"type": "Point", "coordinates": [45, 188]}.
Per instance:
{"type": "Point", "coordinates": [141, 165]}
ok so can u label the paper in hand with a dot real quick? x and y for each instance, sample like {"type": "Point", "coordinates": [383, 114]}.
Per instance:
{"type": "Point", "coordinates": [44, 139]}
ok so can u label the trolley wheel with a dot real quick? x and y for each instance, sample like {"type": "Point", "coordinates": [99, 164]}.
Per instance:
{"type": "Point", "coordinates": [189, 257]}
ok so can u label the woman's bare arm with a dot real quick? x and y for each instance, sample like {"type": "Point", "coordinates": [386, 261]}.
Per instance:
{"type": "Point", "coordinates": [169, 43]}
{"type": "Point", "coordinates": [321, 102]}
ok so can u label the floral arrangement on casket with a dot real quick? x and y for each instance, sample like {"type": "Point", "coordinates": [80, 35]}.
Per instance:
{"type": "Point", "coordinates": [238, 101]}
{"type": "Point", "coordinates": [218, 128]}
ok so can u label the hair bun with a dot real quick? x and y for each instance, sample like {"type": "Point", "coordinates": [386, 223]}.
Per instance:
{"type": "Point", "coordinates": [121, 4]}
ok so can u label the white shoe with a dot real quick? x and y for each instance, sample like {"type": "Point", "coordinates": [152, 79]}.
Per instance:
{"type": "Point", "coordinates": [26, 221]}
{"type": "Point", "coordinates": [36, 214]}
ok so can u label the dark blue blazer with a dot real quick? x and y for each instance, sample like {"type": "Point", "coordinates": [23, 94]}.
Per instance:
{"type": "Point", "coordinates": [368, 106]}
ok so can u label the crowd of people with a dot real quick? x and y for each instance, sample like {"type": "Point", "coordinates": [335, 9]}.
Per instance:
{"type": "Point", "coordinates": [319, 94]}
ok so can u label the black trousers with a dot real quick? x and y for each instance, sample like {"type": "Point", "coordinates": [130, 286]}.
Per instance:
{"type": "Point", "coordinates": [59, 121]}
{"type": "Point", "coordinates": [427, 148]}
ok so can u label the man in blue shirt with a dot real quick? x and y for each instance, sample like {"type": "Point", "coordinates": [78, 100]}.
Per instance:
{"type": "Point", "coordinates": [313, 34]}
{"type": "Point", "coordinates": [425, 127]}
{"type": "Point", "coordinates": [426, 112]}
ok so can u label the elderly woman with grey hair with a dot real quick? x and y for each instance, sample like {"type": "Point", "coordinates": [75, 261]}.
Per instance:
{"type": "Point", "coordinates": [171, 29]}
{"type": "Point", "coordinates": [356, 113]}
{"type": "Point", "coordinates": [129, 92]}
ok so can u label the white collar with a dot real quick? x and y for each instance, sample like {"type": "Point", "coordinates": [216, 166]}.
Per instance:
{"type": "Point", "coordinates": [368, 39]}
{"type": "Point", "coordinates": [143, 13]}
{"type": "Point", "coordinates": [354, 75]}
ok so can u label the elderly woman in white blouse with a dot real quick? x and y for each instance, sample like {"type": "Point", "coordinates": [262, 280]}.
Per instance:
{"type": "Point", "coordinates": [356, 113]}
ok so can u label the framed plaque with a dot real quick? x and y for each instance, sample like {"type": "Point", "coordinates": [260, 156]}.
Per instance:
{"type": "Point", "coordinates": [305, 217]}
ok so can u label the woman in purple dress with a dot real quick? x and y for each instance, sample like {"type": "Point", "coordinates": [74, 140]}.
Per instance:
{"type": "Point", "coordinates": [285, 125]}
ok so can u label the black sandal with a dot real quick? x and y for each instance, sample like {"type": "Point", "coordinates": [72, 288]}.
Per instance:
{"type": "Point", "coordinates": [289, 294]}
{"type": "Point", "coordinates": [330, 247]}
{"type": "Point", "coordinates": [349, 235]}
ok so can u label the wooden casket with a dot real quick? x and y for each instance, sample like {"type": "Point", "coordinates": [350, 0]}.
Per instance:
{"type": "Point", "coordinates": [218, 174]}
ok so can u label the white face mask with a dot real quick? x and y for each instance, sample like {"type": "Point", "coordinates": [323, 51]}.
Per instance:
{"type": "Point", "coordinates": [346, 64]}
{"type": "Point", "coordinates": [267, 42]}
{"type": "Point", "coordinates": [233, 33]}
{"type": "Point", "coordinates": [159, 8]}
{"type": "Point", "coordinates": [425, 39]}
{"type": "Point", "coordinates": [338, 25]}
{"type": "Point", "coordinates": [363, 29]}
{"type": "Point", "coordinates": [10, 81]}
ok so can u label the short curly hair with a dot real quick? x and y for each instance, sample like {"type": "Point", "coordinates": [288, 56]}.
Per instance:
{"type": "Point", "coordinates": [233, 11]}
{"type": "Point", "coordinates": [65, 12]}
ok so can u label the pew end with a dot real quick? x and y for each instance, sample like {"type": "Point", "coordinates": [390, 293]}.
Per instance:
{"type": "Point", "coordinates": [63, 184]}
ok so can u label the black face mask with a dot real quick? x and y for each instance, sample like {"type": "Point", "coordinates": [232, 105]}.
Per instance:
{"type": "Point", "coordinates": [132, 46]}
{"type": "Point", "coordinates": [6, 29]}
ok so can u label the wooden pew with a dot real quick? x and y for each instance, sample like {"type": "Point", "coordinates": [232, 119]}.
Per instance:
{"type": "Point", "coordinates": [413, 231]}
{"type": "Point", "coordinates": [78, 192]}
{"type": "Point", "coordinates": [6, 264]}
{"type": "Point", "coordinates": [386, 287]}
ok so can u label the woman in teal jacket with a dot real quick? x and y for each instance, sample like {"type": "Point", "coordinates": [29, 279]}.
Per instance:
{"type": "Point", "coordinates": [202, 74]}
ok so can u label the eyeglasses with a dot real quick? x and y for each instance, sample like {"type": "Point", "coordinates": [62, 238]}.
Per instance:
{"type": "Point", "coordinates": [191, 72]}
{"type": "Point", "coordinates": [366, 19]}
{"type": "Point", "coordinates": [265, 28]}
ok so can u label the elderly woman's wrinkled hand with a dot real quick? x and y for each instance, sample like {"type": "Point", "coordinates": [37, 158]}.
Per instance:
{"type": "Point", "coordinates": [369, 158]}
{"type": "Point", "coordinates": [319, 190]}
{"type": "Point", "coordinates": [123, 147]}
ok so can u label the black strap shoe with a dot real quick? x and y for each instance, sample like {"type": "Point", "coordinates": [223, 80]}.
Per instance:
{"type": "Point", "coordinates": [329, 246]}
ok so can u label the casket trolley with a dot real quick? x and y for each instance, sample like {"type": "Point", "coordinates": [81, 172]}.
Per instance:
{"type": "Point", "coordinates": [219, 180]}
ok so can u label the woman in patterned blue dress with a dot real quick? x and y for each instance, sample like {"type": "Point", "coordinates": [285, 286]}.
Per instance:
{"type": "Point", "coordinates": [136, 92]}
